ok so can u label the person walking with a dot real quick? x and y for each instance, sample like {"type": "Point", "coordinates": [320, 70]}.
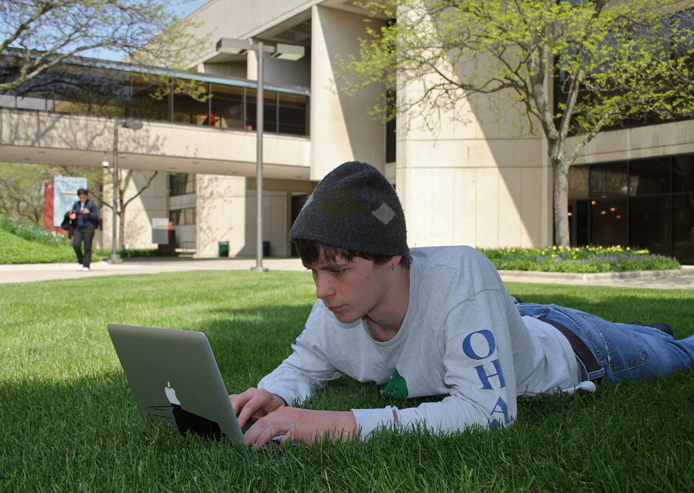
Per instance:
{"type": "Point", "coordinates": [85, 217]}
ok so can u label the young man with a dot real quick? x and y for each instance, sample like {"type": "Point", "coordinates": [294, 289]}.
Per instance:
{"type": "Point", "coordinates": [427, 322]}
{"type": "Point", "coordinates": [85, 217]}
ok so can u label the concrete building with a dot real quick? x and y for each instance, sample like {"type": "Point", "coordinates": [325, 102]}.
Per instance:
{"type": "Point", "coordinates": [478, 183]}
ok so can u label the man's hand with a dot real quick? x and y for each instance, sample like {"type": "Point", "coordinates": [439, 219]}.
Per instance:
{"type": "Point", "coordinates": [302, 425]}
{"type": "Point", "coordinates": [254, 404]}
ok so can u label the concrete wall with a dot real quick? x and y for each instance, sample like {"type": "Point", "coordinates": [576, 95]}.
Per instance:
{"type": "Point", "coordinates": [240, 19]}
{"type": "Point", "coordinates": [474, 180]}
{"type": "Point", "coordinates": [152, 203]}
{"type": "Point", "coordinates": [341, 128]}
{"type": "Point", "coordinates": [294, 73]}
{"type": "Point", "coordinates": [81, 140]}
{"type": "Point", "coordinates": [276, 219]}
{"type": "Point", "coordinates": [634, 143]}
{"type": "Point", "coordinates": [227, 212]}
{"type": "Point", "coordinates": [221, 214]}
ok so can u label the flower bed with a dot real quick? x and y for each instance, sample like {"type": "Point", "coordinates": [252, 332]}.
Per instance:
{"type": "Point", "coordinates": [590, 259]}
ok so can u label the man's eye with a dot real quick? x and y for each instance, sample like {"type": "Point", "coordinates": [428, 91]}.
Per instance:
{"type": "Point", "coordinates": [339, 272]}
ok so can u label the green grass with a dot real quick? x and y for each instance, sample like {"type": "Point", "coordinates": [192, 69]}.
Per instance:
{"type": "Point", "coordinates": [69, 423]}
{"type": "Point", "coordinates": [22, 242]}
{"type": "Point", "coordinates": [16, 250]}
{"type": "Point", "coordinates": [33, 232]}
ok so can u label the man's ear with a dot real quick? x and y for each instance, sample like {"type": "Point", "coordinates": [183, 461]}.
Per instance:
{"type": "Point", "coordinates": [394, 261]}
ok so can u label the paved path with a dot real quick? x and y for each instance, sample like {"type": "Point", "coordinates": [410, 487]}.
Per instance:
{"type": "Point", "coordinates": [683, 279]}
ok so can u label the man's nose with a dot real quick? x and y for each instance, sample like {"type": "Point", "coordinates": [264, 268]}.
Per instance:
{"type": "Point", "coordinates": [323, 287]}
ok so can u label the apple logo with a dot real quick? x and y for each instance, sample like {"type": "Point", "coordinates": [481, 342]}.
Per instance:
{"type": "Point", "coordinates": [171, 395]}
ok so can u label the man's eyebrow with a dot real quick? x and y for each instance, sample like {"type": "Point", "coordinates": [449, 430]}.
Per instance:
{"type": "Point", "coordinates": [332, 266]}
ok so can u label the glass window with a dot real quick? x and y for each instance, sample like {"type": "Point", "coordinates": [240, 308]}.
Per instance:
{"type": "Point", "coordinates": [683, 227]}
{"type": "Point", "coordinates": [608, 222]}
{"type": "Point", "coordinates": [181, 184]}
{"type": "Point", "coordinates": [182, 217]}
{"type": "Point", "coordinates": [249, 124]}
{"type": "Point", "coordinates": [150, 101]}
{"type": "Point", "coordinates": [683, 174]}
{"type": "Point", "coordinates": [190, 102]}
{"type": "Point", "coordinates": [608, 180]}
{"type": "Point", "coordinates": [650, 176]}
{"type": "Point", "coordinates": [109, 92]}
{"type": "Point", "coordinates": [579, 210]}
{"type": "Point", "coordinates": [648, 223]}
{"type": "Point", "coordinates": [578, 182]}
{"type": "Point", "coordinates": [227, 106]}
{"type": "Point", "coordinates": [293, 110]}
{"type": "Point", "coordinates": [270, 111]}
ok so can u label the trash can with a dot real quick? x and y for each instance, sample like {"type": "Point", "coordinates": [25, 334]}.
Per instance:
{"type": "Point", "coordinates": [223, 248]}
{"type": "Point", "coordinates": [266, 249]}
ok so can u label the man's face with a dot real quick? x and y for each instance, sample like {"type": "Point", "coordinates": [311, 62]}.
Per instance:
{"type": "Point", "coordinates": [350, 290]}
{"type": "Point", "coordinates": [83, 198]}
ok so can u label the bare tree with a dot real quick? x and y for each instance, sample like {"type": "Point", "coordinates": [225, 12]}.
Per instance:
{"type": "Point", "coordinates": [40, 34]}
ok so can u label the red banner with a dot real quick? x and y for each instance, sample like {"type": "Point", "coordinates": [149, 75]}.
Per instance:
{"type": "Point", "coordinates": [48, 208]}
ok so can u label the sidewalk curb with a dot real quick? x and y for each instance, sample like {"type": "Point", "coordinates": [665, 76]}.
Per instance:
{"type": "Point", "coordinates": [603, 276]}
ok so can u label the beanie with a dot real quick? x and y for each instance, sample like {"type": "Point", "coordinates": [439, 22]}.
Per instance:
{"type": "Point", "coordinates": [354, 208]}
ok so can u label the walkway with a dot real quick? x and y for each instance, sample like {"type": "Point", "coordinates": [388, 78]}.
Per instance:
{"type": "Point", "coordinates": [46, 272]}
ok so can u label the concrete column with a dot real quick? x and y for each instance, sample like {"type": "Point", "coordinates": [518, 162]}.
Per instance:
{"type": "Point", "coordinates": [475, 180]}
{"type": "Point", "coordinates": [341, 128]}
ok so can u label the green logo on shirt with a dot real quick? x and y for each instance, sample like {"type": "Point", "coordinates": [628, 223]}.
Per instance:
{"type": "Point", "coordinates": [396, 386]}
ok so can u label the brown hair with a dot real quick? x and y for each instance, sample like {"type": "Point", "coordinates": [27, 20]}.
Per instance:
{"type": "Point", "coordinates": [310, 252]}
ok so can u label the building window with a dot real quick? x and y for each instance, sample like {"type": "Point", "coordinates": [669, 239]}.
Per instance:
{"type": "Point", "coordinates": [391, 128]}
{"type": "Point", "coordinates": [645, 203]}
{"type": "Point", "coordinates": [182, 217]}
{"type": "Point", "coordinates": [181, 184]}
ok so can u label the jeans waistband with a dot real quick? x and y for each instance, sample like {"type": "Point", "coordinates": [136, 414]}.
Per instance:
{"type": "Point", "coordinates": [581, 350]}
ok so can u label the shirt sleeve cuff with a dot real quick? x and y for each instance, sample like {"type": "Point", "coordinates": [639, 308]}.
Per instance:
{"type": "Point", "coordinates": [370, 420]}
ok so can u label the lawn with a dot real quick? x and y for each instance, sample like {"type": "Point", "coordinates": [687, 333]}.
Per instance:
{"type": "Point", "coordinates": [68, 421]}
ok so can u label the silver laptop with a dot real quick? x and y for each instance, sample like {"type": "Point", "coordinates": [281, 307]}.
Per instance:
{"type": "Point", "coordinates": [175, 380]}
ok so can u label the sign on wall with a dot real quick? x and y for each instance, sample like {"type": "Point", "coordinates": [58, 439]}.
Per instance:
{"type": "Point", "coordinates": [65, 195]}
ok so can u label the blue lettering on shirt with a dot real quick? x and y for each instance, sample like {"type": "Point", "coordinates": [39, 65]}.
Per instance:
{"type": "Point", "coordinates": [302, 333]}
{"type": "Point", "coordinates": [470, 352]}
{"type": "Point", "coordinates": [500, 407]}
{"type": "Point", "coordinates": [484, 376]}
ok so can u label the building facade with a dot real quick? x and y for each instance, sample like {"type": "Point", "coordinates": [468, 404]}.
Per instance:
{"type": "Point", "coordinates": [478, 182]}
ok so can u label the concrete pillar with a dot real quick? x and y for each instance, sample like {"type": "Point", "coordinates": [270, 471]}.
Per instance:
{"type": "Point", "coordinates": [341, 128]}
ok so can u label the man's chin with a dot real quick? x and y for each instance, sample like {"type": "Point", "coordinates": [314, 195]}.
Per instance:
{"type": "Point", "coordinates": [345, 318]}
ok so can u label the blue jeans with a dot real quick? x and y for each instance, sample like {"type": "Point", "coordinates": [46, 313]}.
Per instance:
{"type": "Point", "coordinates": [623, 350]}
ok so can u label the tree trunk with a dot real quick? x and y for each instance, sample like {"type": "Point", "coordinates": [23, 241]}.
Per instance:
{"type": "Point", "coordinates": [121, 228]}
{"type": "Point", "coordinates": [561, 204]}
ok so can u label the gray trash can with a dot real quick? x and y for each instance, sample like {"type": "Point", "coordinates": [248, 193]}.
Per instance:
{"type": "Point", "coordinates": [223, 248]}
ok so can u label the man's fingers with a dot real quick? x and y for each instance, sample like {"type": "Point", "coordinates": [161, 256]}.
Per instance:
{"type": "Point", "coordinates": [240, 400]}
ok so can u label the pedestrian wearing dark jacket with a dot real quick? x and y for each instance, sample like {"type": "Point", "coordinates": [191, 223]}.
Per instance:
{"type": "Point", "coordinates": [85, 218]}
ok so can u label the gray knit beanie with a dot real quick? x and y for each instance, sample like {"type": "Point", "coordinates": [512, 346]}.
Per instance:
{"type": "Point", "coordinates": [354, 208]}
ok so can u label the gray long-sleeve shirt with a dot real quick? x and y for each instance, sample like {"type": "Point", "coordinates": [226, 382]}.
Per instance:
{"type": "Point", "coordinates": [462, 337]}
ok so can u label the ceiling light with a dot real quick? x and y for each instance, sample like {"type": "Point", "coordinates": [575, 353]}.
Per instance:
{"type": "Point", "coordinates": [233, 46]}
{"type": "Point", "coordinates": [288, 52]}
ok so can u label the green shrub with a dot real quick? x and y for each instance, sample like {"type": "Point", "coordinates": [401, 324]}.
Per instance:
{"type": "Point", "coordinates": [141, 253]}
{"type": "Point", "coordinates": [590, 259]}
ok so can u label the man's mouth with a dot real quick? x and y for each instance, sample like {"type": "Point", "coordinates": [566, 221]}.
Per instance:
{"type": "Point", "coordinates": [335, 308]}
